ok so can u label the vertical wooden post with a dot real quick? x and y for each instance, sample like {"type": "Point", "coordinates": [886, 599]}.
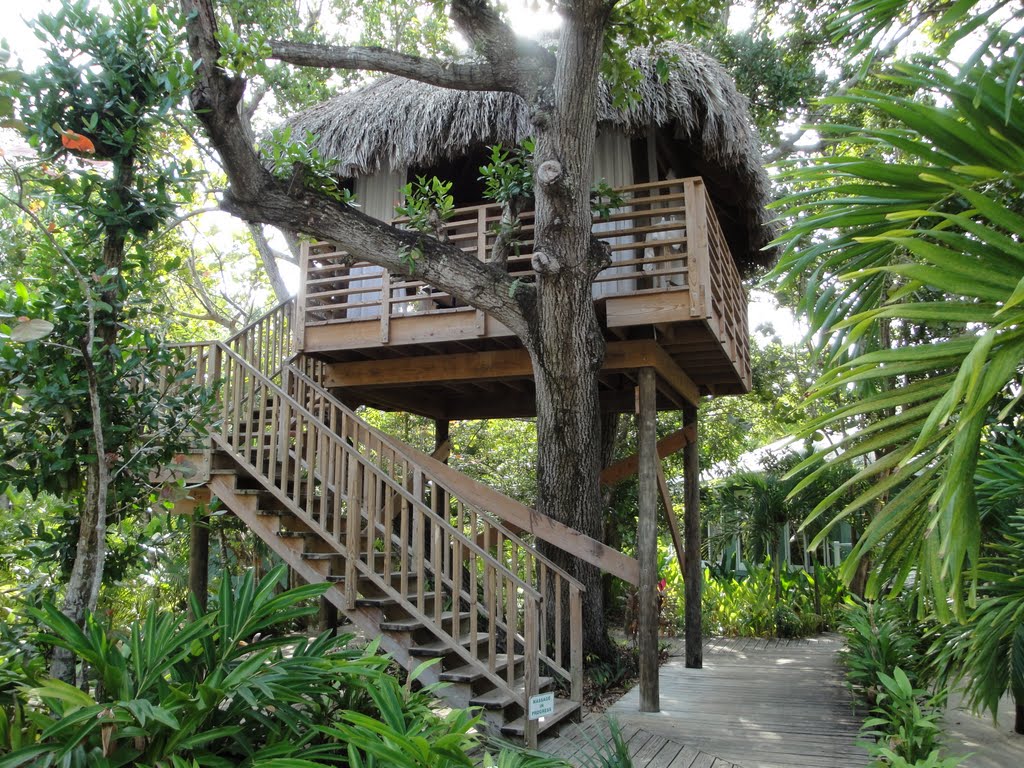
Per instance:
{"type": "Point", "coordinates": [442, 433]}
{"type": "Point", "coordinates": [694, 576]}
{"type": "Point", "coordinates": [199, 556]}
{"type": "Point", "coordinates": [647, 541]}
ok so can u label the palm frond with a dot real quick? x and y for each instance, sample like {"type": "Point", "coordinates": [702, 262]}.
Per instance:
{"type": "Point", "coordinates": [914, 270]}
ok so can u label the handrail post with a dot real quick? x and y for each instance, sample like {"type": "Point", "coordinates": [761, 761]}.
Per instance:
{"type": "Point", "coordinates": [531, 665]}
{"type": "Point", "coordinates": [299, 320]}
{"type": "Point", "coordinates": [576, 642]}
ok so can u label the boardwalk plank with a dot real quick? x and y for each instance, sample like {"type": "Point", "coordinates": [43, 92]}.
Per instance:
{"type": "Point", "coordinates": [756, 704]}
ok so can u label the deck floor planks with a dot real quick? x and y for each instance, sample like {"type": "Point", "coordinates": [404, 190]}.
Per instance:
{"type": "Point", "coordinates": [756, 704]}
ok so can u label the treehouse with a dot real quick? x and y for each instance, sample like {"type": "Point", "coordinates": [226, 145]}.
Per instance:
{"type": "Point", "coordinates": [687, 222]}
{"type": "Point", "coordinates": [429, 560]}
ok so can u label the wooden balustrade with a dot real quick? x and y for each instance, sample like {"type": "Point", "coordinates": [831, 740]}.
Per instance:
{"type": "Point", "coordinates": [485, 592]}
{"type": "Point", "coordinates": [456, 520]}
{"type": "Point", "coordinates": [268, 340]}
{"type": "Point", "coordinates": [664, 237]}
{"type": "Point", "coordinates": [646, 233]}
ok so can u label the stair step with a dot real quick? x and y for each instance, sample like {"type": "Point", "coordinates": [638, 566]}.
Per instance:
{"type": "Point", "coordinates": [498, 699]}
{"type": "Point", "coordinates": [469, 673]}
{"type": "Point", "coordinates": [438, 647]}
{"type": "Point", "coordinates": [411, 624]}
{"type": "Point", "coordinates": [321, 555]}
{"type": "Point", "coordinates": [298, 534]}
{"type": "Point", "coordinates": [563, 708]}
{"type": "Point", "coordinates": [386, 602]}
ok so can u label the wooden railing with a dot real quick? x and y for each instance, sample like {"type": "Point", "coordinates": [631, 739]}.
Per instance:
{"type": "Point", "coordinates": [484, 591]}
{"type": "Point", "coordinates": [727, 310]}
{"type": "Point", "coordinates": [389, 523]}
{"type": "Point", "coordinates": [267, 341]}
{"type": "Point", "coordinates": [664, 236]}
{"type": "Point", "coordinates": [453, 501]}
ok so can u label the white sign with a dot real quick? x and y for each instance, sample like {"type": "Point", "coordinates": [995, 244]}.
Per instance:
{"type": "Point", "coordinates": [542, 705]}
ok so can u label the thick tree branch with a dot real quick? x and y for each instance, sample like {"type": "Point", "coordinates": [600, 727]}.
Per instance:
{"type": "Point", "coordinates": [256, 196]}
{"type": "Point", "coordinates": [481, 24]}
{"type": "Point", "coordinates": [480, 76]}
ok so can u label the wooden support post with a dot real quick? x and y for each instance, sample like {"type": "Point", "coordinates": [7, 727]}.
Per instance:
{"type": "Point", "coordinates": [647, 541]}
{"type": "Point", "coordinates": [328, 618]}
{"type": "Point", "coordinates": [694, 576]}
{"type": "Point", "coordinates": [442, 439]}
{"type": "Point", "coordinates": [199, 556]}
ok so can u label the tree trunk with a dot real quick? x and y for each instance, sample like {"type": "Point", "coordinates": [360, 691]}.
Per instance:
{"type": "Point", "coordinates": [1018, 724]}
{"type": "Point", "coordinates": [564, 340]}
{"type": "Point", "coordinates": [199, 558]}
{"type": "Point", "coordinates": [83, 587]}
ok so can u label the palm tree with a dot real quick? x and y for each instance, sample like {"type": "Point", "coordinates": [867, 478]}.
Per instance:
{"type": "Point", "coordinates": [915, 226]}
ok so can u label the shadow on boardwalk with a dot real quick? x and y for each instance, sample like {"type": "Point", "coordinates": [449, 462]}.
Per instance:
{"type": "Point", "coordinates": [756, 704]}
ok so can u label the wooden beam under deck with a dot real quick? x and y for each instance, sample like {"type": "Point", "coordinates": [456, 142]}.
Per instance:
{"type": "Point", "coordinates": [502, 365]}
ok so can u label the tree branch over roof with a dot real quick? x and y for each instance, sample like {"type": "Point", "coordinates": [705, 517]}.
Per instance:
{"type": "Point", "coordinates": [531, 64]}
{"type": "Point", "coordinates": [257, 196]}
{"type": "Point", "coordinates": [467, 76]}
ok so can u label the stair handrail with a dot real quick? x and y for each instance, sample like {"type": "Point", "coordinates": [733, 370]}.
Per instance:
{"type": "Point", "coordinates": [531, 599]}
{"type": "Point", "coordinates": [498, 504]}
{"type": "Point", "coordinates": [266, 381]}
{"type": "Point", "coordinates": [421, 459]}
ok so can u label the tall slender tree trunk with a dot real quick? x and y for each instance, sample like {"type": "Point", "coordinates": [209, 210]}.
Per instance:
{"type": "Point", "coordinates": [83, 589]}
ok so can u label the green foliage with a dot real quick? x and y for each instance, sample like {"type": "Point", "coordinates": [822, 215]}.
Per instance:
{"type": "Point", "coordinates": [46, 427]}
{"type": "Point", "coordinates": [635, 25]}
{"type": "Point", "coordinates": [986, 652]}
{"type": "Point", "coordinates": [242, 55]}
{"type": "Point", "coordinates": [887, 666]}
{"type": "Point", "coordinates": [109, 77]}
{"type": "Point", "coordinates": [607, 750]}
{"type": "Point", "coordinates": [929, 215]}
{"type": "Point", "coordinates": [905, 724]}
{"type": "Point", "coordinates": [879, 638]}
{"type": "Point", "coordinates": [299, 161]}
{"type": "Point", "coordinates": [231, 687]}
{"type": "Point", "coordinates": [603, 199]}
{"type": "Point", "coordinates": [747, 607]}
{"type": "Point", "coordinates": [428, 203]}
{"type": "Point", "coordinates": [778, 77]}
{"type": "Point", "coordinates": [607, 675]}
{"type": "Point", "coordinates": [508, 176]}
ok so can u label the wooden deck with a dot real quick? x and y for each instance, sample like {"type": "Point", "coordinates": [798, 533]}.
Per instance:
{"type": "Point", "coordinates": [756, 704]}
{"type": "Point", "coordinates": [399, 344]}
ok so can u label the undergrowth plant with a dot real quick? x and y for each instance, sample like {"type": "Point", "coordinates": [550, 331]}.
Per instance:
{"type": "Point", "coordinates": [887, 669]}
{"type": "Point", "coordinates": [746, 606]}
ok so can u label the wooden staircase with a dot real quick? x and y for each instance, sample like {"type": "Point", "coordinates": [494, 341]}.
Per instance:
{"type": "Point", "coordinates": [415, 553]}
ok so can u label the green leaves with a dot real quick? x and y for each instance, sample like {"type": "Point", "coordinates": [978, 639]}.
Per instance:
{"type": "Point", "coordinates": [913, 266]}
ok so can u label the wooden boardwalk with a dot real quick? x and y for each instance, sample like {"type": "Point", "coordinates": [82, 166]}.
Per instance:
{"type": "Point", "coordinates": [756, 704]}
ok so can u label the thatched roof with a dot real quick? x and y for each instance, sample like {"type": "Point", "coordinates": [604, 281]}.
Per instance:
{"type": "Point", "coordinates": [402, 123]}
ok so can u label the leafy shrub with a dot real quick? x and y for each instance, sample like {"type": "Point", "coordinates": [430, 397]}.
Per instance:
{"type": "Point", "coordinates": [877, 643]}
{"type": "Point", "coordinates": [218, 689]}
{"type": "Point", "coordinates": [746, 606]}
{"type": "Point", "coordinates": [228, 688]}
{"type": "Point", "coordinates": [886, 670]}
{"type": "Point", "coordinates": [905, 725]}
